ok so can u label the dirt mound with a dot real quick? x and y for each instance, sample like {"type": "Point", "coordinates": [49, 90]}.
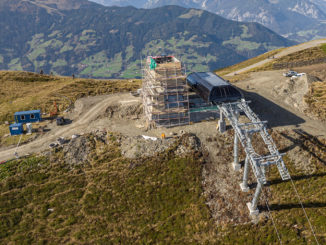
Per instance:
{"type": "Point", "coordinates": [135, 147]}
{"type": "Point", "coordinates": [143, 146]}
{"type": "Point", "coordinates": [128, 110]}
{"type": "Point", "coordinates": [320, 75]}
{"type": "Point", "coordinates": [221, 183]}
{"type": "Point", "coordinates": [292, 91]}
{"type": "Point", "coordinates": [188, 144]}
{"type": "Point", "coordinates": [76, 151]}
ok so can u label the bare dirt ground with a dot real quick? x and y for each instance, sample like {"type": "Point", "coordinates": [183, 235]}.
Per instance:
{"type": "Point", "coordinates": [279, 101]}
{"type": "Point", "coordinates": [318, 70]}
{"type": "Point", "coordinates": [274, 98]}
{"type": "Point", "coordinates": [121, 113]}
{"type": "Point", "coordinates": [285, 52]}
{"type": "Point", "coordinates": [87, 117]}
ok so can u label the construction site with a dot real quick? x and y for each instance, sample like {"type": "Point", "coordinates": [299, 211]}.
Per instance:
{"type": "Point", "coordinates": [166, 104]}
{"type": "Point", "coordinates": [240, 160]}
{"type": "Point", "coordinates": [170, 99]}
{"type": "Point", "coordinates": [165, 92]}
{"type": "Point", "coordinates": [167, 98]}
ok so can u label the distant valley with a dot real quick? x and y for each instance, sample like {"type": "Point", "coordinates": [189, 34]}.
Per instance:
{"type": "Point", "coordinates": [89, 40]}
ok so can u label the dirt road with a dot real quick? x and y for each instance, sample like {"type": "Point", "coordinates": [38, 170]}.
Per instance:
{"type": "Point", "coordinates": [86, 122]}
{"type": "Point", "coordinates": [284, 52]}
{"type": "Point", "coordinates": [115, 113]}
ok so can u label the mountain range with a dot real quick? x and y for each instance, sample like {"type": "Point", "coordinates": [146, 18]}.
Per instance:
{"type": "Point", "coordinates": [321, 4]}
{"type": "Point", "coordinates": [300, 20]}
{"type": "Point", "coordinates": [86, 39]}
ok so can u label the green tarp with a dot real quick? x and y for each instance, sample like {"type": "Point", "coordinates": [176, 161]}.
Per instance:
{"type": "Point", "coordinates": [153, 64]}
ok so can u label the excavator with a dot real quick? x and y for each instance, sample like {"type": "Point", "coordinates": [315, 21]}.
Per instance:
{"type": "Point", "coordinates": [54, 113]}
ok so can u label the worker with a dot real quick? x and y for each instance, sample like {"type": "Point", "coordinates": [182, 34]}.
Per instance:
{"type": "Point", "coordinates": [163, 136]}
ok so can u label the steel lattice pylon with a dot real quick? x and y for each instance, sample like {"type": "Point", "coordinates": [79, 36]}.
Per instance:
{"type": "Point", "coordinates": [244, 133]}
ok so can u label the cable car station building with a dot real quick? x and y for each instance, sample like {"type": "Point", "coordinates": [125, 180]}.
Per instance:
{"type": "Point", "coordinates": [170, 98]}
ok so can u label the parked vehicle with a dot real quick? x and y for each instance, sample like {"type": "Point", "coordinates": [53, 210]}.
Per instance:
{"type": "Point", "coordinates": [290, 73]}
{"type": "Point", "coordinates": [53, 145]}
{"type": "Point", "coordinates": [298, 75]}
{"type": "Point", "coordinates": [60, 121]}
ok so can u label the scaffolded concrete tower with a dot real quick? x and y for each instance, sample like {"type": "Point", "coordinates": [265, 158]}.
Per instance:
{"type": "Point", "coordinates": [165, 92]}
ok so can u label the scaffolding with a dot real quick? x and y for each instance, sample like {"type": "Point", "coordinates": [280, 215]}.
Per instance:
{"type": "Point", "coordinates": [165, 92]}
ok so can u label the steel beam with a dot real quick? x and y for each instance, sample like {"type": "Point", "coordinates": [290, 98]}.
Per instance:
{"type": "Point", "coordinates": [244, 185]}
{"type": "Point", "coordinates": [236, 165]}
{"type": "Point", "coordinates": [253, 205]}
{"type": "Point", "coordinates": [221, 123]}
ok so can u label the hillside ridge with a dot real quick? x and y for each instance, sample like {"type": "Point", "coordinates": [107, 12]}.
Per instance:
{"type": "Point", "coordinates": [280, 54]}
{"type": "Point", "coordinates": [108, 42]}
{"type": "Point", "coordinates": [300, 20]}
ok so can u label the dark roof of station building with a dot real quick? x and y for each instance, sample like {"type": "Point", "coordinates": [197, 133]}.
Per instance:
{"type": "Point", "coordinates": [212, 88]}
{"type": "Point", "coordinates": [209, 79]}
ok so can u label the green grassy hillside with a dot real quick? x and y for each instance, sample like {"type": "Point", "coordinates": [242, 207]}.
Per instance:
{"type": "Point", "coordinates": [304, 57]}
{"type": "Point", "coordinates": [107, 200]}
{"type": "Point", "coordinates": [110, 199]}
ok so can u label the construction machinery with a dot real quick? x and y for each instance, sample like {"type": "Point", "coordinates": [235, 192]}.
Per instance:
{"type": "Point", "coordinates": [54, 112]}
{"type": "Point", "coordinates": [60, 121]}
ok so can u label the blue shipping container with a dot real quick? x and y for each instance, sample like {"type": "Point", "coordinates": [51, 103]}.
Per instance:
{"type": "Point", "coordinates": [28, 116]}
{"type": "Point", "coordinates": [16, 129]}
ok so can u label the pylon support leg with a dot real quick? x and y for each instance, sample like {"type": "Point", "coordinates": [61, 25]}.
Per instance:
{"type": "Point", "coordinates": [221, 123]}
{"type": "Point", "coordinates": [252, 206]}
{"type": "Point", "coordinates": [253, 212]}
{"type": "Point", "coordinates": [244, 185]}
{"type": "Point", "coordinates": [236, 165]}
